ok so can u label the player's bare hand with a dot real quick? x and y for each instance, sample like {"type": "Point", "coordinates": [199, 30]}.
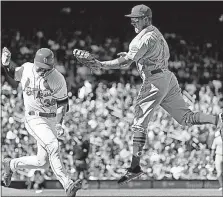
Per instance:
{"type": "Point", "coordinates": [59, 130]}
{"type": "Point", "coordinates": [6, 56]}
{"type": "Point", "coordinates": [122, 54]}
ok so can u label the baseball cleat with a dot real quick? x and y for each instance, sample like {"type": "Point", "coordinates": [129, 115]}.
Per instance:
{"type": "Point", "coordinates": [130, 175]}
{"type": "Point", "coordinates": [73, 188]}
{"type": "Point", "coordinates": [7, 172]}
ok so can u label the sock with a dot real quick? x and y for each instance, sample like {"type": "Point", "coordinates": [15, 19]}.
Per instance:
{"type": "Point", "coordinates": [198, 118]}
{"type": "Point", "coordinates": [139, 140]}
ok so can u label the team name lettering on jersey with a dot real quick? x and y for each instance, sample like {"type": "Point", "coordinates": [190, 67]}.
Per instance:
{"type": "Point", "coordinates": [41, 93]}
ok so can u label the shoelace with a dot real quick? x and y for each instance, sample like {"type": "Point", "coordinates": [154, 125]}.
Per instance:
{"type": "Point", "coordinates": [128, 173]}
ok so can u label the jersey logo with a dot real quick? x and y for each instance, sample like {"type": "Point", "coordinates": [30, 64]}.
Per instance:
{"type": "Point", "coordinates": [43, 93]}
{"type": "Point", "coordinates": [46, 85]}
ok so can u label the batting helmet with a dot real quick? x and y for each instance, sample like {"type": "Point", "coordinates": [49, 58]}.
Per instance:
{"type": "Point", "coordinates": [44, 58]}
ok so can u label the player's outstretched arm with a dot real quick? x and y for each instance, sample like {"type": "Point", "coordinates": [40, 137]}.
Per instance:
{"type": "Point", "coordinates": [123, 62]}
{"type": "Point", "coordinates": [87, 59]}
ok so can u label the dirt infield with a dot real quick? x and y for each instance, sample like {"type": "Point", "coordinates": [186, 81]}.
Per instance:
{"type": "Point", "coordinates": [115, 192]}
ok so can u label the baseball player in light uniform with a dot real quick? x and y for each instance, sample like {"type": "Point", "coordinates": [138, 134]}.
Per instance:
{"type": "Point", "coordinates": [217, 153]}
{"type": "Point", "coordinates": [150, 51]}
{"type": "Point", "coordinates": [46, 102]}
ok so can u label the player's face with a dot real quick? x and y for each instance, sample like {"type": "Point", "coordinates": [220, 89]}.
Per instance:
{"type": "Point", "coordinates": [138, 23]}
{"type": "Point", "coordinates": [41, 71]}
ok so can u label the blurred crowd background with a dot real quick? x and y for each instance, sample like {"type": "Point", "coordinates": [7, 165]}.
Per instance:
{"type": "Point", "coordinates": [102, 103]}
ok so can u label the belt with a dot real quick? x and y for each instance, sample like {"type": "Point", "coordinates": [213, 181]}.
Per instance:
{"type": "Point", "coordinates": [42, 114]}
{"type": "Point", "coordinates": [159, 70]}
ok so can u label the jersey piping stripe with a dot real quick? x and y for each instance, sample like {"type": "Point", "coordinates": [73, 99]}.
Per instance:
{"type": "Point", "coordinates": [49, 72]}
{"type": "Point", "coordinates": [62, 98]}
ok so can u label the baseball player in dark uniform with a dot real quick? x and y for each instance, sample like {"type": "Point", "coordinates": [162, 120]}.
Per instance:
{"type": "Point", "coordinates": [150, 51]}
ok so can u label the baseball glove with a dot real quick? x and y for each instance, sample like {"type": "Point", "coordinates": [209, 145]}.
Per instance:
{"type": "Point", "coordinates": [87, 59]}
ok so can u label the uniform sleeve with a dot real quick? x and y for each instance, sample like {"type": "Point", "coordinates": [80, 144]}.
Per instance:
{"type": "Point", "coordinates": [61, 90]}
{"type": "Point", "coordinates": [138, 50]}
{"type": "Point", "coordinates": [19, 72]}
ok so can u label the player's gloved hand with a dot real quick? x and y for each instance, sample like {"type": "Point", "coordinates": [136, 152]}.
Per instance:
{"type": "Point", "coordinates": [59, 130]}
{"type": "Point", "coordinates": [6, 56]}
{"type": "Point", "coordinates": [87, 59]}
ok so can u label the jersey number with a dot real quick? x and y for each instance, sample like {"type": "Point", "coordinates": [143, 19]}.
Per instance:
{"type": "Point", "coordinates": [48, 102]}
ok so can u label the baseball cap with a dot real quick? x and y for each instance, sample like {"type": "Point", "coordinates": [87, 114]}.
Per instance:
{"type": "Point", "coordinates": [140, 11]}
{"type": "Point", "coordinates": [44, 58]}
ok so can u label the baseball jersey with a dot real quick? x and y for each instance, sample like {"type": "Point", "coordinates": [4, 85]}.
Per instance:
{"type": "Point", "coordinates": [149, 50]}
{"type": "Point", "coordinates": [41, 93]}
{"type": "Point", "coordinates": [217, 144]}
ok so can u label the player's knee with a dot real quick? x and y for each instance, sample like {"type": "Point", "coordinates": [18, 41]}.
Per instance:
{"type": "Point", "coordinates": [43, 163]}
{"type": "Point", "coordinates": [46, 165]}
{"type": "Point", "coordinates": [53, 147]}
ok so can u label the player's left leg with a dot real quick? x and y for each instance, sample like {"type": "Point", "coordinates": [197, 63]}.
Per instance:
{"type": "Point", "coordinates": [177, 107]}
{"type": "Point", "coordinates": [43, 130]}
{"type": "Point", "coordinates": [39, 161]}
{"type": "Point", "coordinates": [150, 96]}
{"type": "Point", "coordinates": [219, 169]}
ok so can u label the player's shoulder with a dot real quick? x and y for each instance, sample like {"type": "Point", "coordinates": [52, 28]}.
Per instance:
{"type": "Point", "coordinates": [27, 65]}
{"type": "Point", "coordinates": [56, 75]}
{"type": "Point", "coordinates": [151, 34]}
